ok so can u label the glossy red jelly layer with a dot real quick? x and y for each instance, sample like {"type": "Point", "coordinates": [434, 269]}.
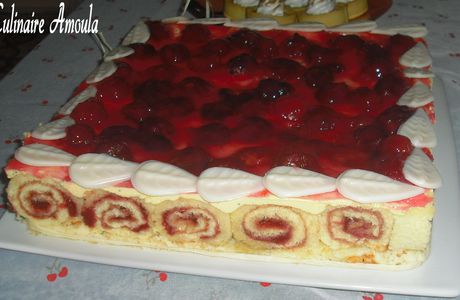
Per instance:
{"type": "Point", "coordinates": [201, 96]}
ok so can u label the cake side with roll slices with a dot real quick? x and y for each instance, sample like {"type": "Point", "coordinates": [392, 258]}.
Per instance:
{"type": "Point", "coordinates": [246, 140]}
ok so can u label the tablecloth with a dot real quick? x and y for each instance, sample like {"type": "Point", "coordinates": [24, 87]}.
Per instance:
{"type": "Point", "coordinates": [39, 85]}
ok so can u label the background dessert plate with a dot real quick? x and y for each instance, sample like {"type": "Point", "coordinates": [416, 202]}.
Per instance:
{"type": "Point", "coordinates": [438, 276]}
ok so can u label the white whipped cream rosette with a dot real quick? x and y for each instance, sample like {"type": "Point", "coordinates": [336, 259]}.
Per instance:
{"type": "Point", "coordinates": [271, 8]}
{"type": "Point", "coordinates": [246, 3]}
{"type": "Point", "coordinates": [296, 3]}
{"type": "Point", "coordinates": [318, 7]}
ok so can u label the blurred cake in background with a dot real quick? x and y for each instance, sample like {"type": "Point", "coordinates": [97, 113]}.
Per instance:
{"type": "Point", "coordinates": [328, 12]}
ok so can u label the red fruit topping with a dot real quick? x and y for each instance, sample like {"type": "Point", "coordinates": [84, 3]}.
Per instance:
{"type": "Point", "coordinates": [392, 118]}
{"type": "Point", "coordinates": [347, 42]}
{"type": "Point", "coordinates": [216, 111]}
{"type": "Point", "coordinates": [115, 139]}
{"type": "Point", "coordinates": [234, 99]}
{"type": "Point", "coordinates": [324, 124]}
{"type": "Point", "coordinates": [138, 111]}
{"type": "Point", "coordinates": [335, 159]}
{"type": "Point", "coordinates": [174, 53]}
{"type": "Point", "coordinates": [194, 86]}
{"type": "Point", "coordinates": [157, 143]}
{"type": "Point", "coordinates": [79, 135]}
{"type": "Point", "coordinates": [333, 94]}
{"type": "Point", "coordinates": [377, 61]}
{"type": "Point", "coordinates": [318, 76]}
{"type": "Point", "coordinates": [270, 90]}
{"type": "Point", "coordinates": [157, 126]}
{"type": "Point", "coordinates": [289, 111]}
{"type": "Point", "coordinates": [265, 49]}
{"type": "Point", "coordinates": [144, 56]}
{"type": "Point", "coordinates": [293, 158]}
{"type": "Point", "coordinates": [244, 38]}
{"type": "Point", "coordinates": [252, 129]}
{"type": "Point", "coordinates": [204, 62]}
{"type": "Point", "coordinates": [118, 132]}
{"type": "Point", "coordinates": [391, 166]}
{"type": "Point", "coordinates": [115, 148]}
{"type": "Point", "coordinates": [152, 91]}
{"type": "Point", "coordinates": [90, 112]}
{"type": "Point", "coordinates": [399, 44]}
{"type": "Point", "coordinates": [114, 90]}
{"type": "Point", "coordinates": [242, 64]}
{"type": "Point", "coordinates": [158, 31]}
{"type": "Point", "coordinates": [396, 144]}
{"type": "Point", "coordinates": [298, 154]}
{"type": "Point", "coordinates": [192, 159]}
{"type": "Point", "coordinates": [142, 50]}
{"type": "Point", "coordinates": [173, 107]}
{"type": "Point", "coordinates": [369, 135]}
{"type": "Point", "coordinates": [285, 69]}
{"type": "Point", "coordinates": [124, 70]}
{"type": "Point", "coordinates": [391, 88]}
{"type": "Point", "coordinates": [352, 63]}
{"type": "Point", "coordinates": [212, 134]}
{"type": "Point", "coordinates": [295, 46]}
{"type": "Point", "coordinates": [322, 56]}
{"type": "Point", "coordinates": [162, 72]}
{"type": "Point", "coordinates": [253, 100]}
{"type": "Point", "coordinates": [195, 34]}
{"type": "Point", "coordinates": [336, 68]}
{"type": "Point", "coordinates": [219, 47]}
{"type": "Point", "coordinates": [257, 160]}
{"type": "Point", "coordinates": [366, 101]}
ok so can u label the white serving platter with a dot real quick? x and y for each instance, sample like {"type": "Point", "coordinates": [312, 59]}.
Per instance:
{"type": "Point", "coordinates": [438, 276]}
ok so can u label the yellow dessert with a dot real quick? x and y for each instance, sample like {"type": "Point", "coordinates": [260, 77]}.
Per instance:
{"type": "Point", "coordinates": [234, 11]}
{"type": "Point", "coordinates": [357, 8]}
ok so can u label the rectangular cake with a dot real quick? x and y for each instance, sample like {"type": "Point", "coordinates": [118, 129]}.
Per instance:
{"type": "Point", "coordinates": [245, 140]}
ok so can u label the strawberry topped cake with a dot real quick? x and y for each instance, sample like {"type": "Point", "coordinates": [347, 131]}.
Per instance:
{"type": "Point", "coordinates": [246, 140]}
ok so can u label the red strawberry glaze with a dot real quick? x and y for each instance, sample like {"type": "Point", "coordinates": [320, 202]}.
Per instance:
{"type": "Point", "coordinates": [202, 96]}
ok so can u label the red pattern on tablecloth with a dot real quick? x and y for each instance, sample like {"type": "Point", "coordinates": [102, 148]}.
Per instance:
{"type": "Point", "coordinates": [56, 270]}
